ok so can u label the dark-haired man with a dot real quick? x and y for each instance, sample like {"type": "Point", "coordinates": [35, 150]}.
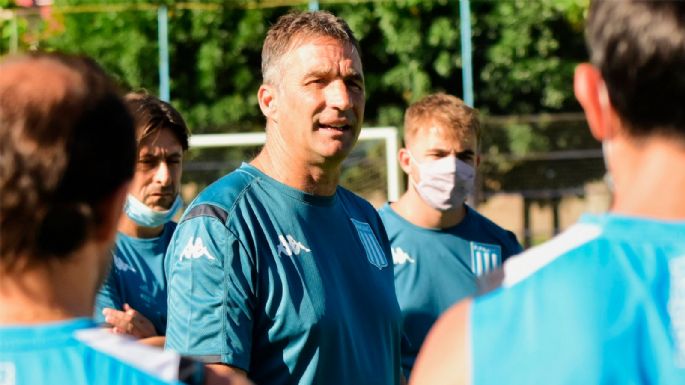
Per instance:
{"type": "Point", "coordinates": [604, 302]}
{"type": "Point", "coordinates": [133, 299]}
{"type": "Point", "coordinates": [275, 270]}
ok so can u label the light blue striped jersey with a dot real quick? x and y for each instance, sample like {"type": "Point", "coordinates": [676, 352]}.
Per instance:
{"type": "Point", "coordinates": [434, 268]}
{"type": "Point", "coordinates": [75, 352]}
{"type": "Point", "coordinates": [292, 287]}
{"type": "Point", "coordinates": [137, 277]}
{"type": "Point", "coordinates": [603, 303]}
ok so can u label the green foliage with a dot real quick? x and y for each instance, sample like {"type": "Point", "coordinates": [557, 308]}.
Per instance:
{"type": "Point", "coordinates": [524, 52]}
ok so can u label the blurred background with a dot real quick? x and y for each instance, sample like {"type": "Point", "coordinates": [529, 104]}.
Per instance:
{"type": "Point", "coordinates": [512, 59]}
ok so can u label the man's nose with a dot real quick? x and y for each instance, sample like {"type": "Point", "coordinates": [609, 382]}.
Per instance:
{"type": "Point", "coordinates": [338, 95]}
{"type": "Point", "coordinates": [163, 174]}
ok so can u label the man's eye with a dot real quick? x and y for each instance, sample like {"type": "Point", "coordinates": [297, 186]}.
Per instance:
{"type": "Point", "coordinates": [356, 85]}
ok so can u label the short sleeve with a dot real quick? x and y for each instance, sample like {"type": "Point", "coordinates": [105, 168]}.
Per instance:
{"type": "Point", "coordinates": [211, 293]}
{"type": "Point", "coordinates": [107, 296]}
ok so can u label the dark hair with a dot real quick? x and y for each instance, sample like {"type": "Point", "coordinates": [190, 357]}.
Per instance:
{"type": "Point", "coordinates": [639, 47]}
{"type": "Point", "coordinates": [295, 26]}
{"type": "Point", "coordinates": [66, 144]}
{"type": "Point", "coordinates": [446, 110]}
{"type": "Point", "coordinates": [151, 115]}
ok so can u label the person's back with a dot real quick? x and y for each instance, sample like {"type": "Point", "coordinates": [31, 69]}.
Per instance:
{"type": "Point", "coordinates": [605, 301]}
{"type": "Point", "coordinates": [77, 352]}
{"type": "Point", "coordinates": [592, 306]}
{"type": "Point", "coordinates": [66, 157]}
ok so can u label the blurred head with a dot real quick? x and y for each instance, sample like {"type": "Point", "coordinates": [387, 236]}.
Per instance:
{"type": "Point", "coordinates": [66, 155]}
{"type": "Point", "coordinates": [638, 47]}
{"type": "Point", "coordinates": [313, 90]}
{"type": "Point", "coordinates": [161, 137]}
{"type": "Point", "coordinates": [440, 155]}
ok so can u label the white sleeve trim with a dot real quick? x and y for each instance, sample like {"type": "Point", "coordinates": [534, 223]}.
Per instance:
{"type": "Point", "coordinates": [522, 266]}
{"type": "Point", "coordinates": [154, 361]}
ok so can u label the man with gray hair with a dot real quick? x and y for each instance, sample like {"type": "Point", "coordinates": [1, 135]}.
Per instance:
{"type": "Point", "coordinates": [274, 270]}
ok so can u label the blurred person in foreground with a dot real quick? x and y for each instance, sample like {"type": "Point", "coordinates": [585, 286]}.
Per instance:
{"type": "Point", "coordinates": [275, 271]}
{"type": "Point", "coordinates": [67, 153]}
{"type": "Point", "coordinates": [440, 245]}
{"type": "Point", "coordinates": [604, 302]}
{"type": "Point", "coordinates": [133, 299]}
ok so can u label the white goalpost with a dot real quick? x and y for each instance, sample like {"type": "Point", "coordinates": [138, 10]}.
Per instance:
{"type": "Point", "coordinates": [388, 134]}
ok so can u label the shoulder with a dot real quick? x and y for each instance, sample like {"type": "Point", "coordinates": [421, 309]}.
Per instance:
{"type": "Point", "coordinates": [578, 237]}
{"type": "Point", "coordinates": [224, 192]}
{"type": "Point", "coordinates": [123, 357]}
{"type": "Point", "coordinates": [219, 199]}
{"type": "Point", "coordinates": [505, 237]}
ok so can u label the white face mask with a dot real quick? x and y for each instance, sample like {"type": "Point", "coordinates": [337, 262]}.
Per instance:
{"type": "Point", "coordinates": [445, 182]}
{"type": "Point", "coordinates": [144, 216]}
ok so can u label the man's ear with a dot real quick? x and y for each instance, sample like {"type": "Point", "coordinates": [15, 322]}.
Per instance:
{"type": "Point", "coordinates": [110, 210]}
{"type": "Point", "coordinates": [405, 160]}
{"type": "Point", "coordinates": [592, 94]}
{"type": "Point", "coordinates": [267, 101]}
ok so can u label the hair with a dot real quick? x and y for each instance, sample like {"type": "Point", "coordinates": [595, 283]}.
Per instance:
{"type": "Point", "coordinates": [66, 144]}
{"type": "Point", "coordinates": [152, 114]}
{"type": "Point", "coordinates": [295, 26]}
{"type": "Point", "coordinates": [445, 110]}
{"type": "Point", "coordinates": [639, 48]}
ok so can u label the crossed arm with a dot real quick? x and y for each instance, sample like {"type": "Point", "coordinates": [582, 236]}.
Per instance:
{"type": "Point", "coordinates": [132, 322]}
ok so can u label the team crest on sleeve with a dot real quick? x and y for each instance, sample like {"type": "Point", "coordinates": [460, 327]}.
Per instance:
{"type": "Point", "coordinates": [485, 257]}
{"type": "Point", "coordinates": [194, 249]}
{"type": "Point", "coordinates": [374, 252]}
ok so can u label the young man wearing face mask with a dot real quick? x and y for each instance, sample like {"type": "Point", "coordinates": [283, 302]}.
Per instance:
{"type": "Point", "coordinates": [439, 244]}
{"type": "Point", "coordinates": [133, 299]}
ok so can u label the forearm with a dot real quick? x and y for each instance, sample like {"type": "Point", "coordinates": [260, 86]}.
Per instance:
{"type": "Point", "coordinates": [218, 373]}
{"type": "Point", "coordinates": [157, 341]}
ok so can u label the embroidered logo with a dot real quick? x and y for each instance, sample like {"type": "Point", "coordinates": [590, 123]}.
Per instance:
{"type": "Point", "coordinates": [290, 246]}
{"type": "Point", "coordinates": [373, 250]}
{"type": "Point", "coordinates": [195, 249]}
{"type": "Point", "coordinates": [7, 373]}
{"type": "Point", "coordinates": [485, 257]}
{"type": "Point", "coordinates": [400, 257]}
{"type": "Point", "coordinates": [121, 265]}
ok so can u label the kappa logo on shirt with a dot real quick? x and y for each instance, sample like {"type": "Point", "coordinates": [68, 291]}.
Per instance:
{"type": "Point", "coordinates": [121, 265]}
{"type": "Point", "coordinates": [195, 248]}
{"type": "Point", "coordinates": [290, 246]}
{"type": "Point", "coordinates": [400, 257]}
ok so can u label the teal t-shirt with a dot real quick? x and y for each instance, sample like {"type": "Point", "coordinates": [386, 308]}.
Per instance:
{"type": "Point", "coordinates": [137, 278]}
{"type": "Point", "coordinates": [75, 352]}
{"type": "Point", "coordinates": [602, 303]}
{"type": "Point", "coordinates": [434, 268]}
{"type": "Point", "coordinates": [291, 287]}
